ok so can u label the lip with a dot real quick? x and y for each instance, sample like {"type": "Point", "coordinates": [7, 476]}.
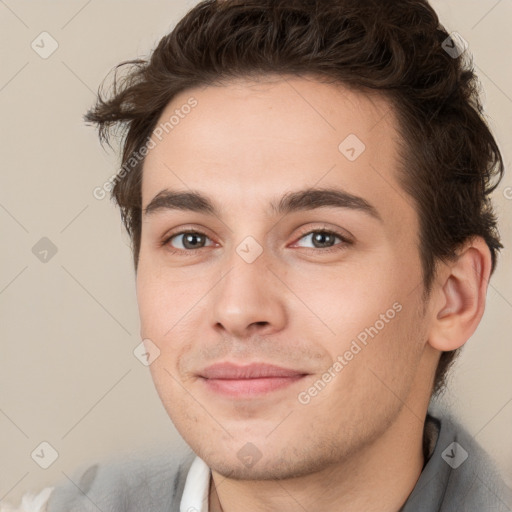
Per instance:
{"type": "Point", "coordinates": [233, 371]}
{"type": "Point", "coordinates": [246, 381]}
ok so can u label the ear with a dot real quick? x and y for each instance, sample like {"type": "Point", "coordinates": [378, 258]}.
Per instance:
{"type": "Point", "coordinates": [459, 296]}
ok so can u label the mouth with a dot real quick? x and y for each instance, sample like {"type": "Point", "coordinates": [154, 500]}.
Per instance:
{"type": "Point", "coordinates": [248, 381]}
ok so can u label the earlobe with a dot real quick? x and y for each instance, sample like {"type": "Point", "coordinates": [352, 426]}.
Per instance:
{"type": "Point", "coordinates": [461, 293]}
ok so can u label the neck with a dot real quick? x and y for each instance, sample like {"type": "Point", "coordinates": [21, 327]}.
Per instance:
{"type": "Point", "coordinates": [378, 478]}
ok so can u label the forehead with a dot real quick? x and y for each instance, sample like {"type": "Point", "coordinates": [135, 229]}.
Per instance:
{"type": "Point", "coordinates": [246, 140]}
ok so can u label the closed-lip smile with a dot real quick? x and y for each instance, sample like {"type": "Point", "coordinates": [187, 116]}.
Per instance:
{"type": "Point", "coordinates": [245, 381]}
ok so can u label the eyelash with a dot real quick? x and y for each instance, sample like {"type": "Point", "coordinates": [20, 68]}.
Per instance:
{"type": "Point", "coordinates": [327, 250]}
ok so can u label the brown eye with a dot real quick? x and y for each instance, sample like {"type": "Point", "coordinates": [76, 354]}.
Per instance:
{"type": "Point", "coordinates": [322, 239]}
{"type": "Point", "coordinates": [187, 240]}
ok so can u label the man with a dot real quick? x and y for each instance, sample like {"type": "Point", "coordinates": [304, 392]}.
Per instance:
{"type": "Point", "coordinates": [306, 185]}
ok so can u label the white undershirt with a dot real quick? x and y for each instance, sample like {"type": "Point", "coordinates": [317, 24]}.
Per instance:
{"type": "Point", "coordinates": [197, 486]}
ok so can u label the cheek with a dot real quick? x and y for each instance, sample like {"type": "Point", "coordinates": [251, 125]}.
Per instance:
{"type": "Point", "coordinates": [151, 307]}
{"type": "Point", "coordinates": [369, 314]}
{"type": "Point", "coordinates": [160, 299]}
{"type": "Point", "coordinates": [376, 360]}
{"type": "Point", "coordinates": [173, 312]}
{"type": "Point", "coordinates": [349, 299]}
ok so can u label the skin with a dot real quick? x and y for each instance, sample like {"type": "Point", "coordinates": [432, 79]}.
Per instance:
{"type": "Point", "coordinates": [244, 145]}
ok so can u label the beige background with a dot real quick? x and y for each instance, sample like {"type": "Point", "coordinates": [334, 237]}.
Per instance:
{"type": "Point", "coordinates": [67, 372]}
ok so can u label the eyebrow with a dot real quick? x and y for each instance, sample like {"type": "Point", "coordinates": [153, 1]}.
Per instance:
{"type": "Point", "coordinates": [301, 200]}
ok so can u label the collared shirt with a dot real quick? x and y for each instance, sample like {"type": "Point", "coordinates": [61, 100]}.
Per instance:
{"type": "Point", "coordinates": [197, 486]}
{"type": "Point", "coordinates": [457, 476]}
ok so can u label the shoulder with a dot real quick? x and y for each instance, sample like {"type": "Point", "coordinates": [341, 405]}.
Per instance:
{"type": "Point", "coordinates": [29, 502]}
{"type": "Point", "coordinates": [459, 475]}
{"type": "Point", "coordinates": [477, 477]}
{"type": "Point", "coordinates": [128, 483]}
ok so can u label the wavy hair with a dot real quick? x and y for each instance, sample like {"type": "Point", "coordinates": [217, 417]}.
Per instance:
{"type": "Point", "coordinates": [449, 160]}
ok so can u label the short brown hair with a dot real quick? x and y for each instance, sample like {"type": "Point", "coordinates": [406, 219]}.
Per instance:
{"type": "Point", "coordinates": [450, 162]}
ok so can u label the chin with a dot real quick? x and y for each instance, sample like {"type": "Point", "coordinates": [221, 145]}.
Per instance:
{"type": "Point", "coordinates": [251, 464]}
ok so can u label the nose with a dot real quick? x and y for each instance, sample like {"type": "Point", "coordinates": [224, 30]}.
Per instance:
{"type": "Point", "coordinates": [249, 299]}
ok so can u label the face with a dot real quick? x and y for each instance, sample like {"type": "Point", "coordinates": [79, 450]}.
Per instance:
{"type": "Point", "coordinates": [279, 277]}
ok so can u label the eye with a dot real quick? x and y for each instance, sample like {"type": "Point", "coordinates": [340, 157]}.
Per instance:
{"type": "Point", "coordinates": [324, 239]}
{"type": "Point", "coordinates": [187, 240]}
